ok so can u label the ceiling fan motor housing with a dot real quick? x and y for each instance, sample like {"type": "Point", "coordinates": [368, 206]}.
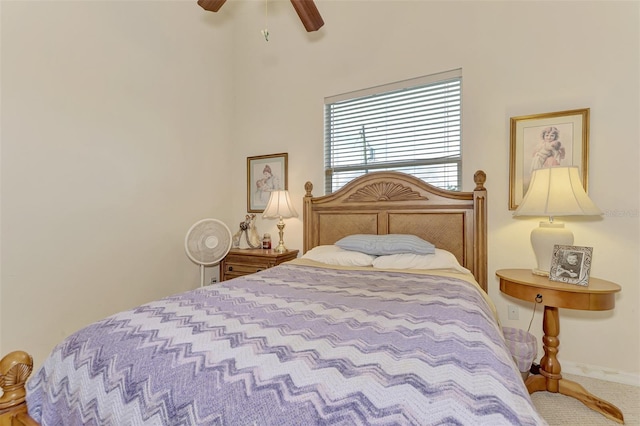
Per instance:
{"type": "Point", "coordinates": [306, 10]}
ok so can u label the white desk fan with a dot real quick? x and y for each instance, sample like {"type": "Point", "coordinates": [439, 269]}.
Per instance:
{"type": "Point", "coordinates": [207, 242]}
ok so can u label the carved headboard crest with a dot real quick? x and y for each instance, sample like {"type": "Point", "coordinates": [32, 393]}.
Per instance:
{"type": "Point", "coordinates": [385, 191]}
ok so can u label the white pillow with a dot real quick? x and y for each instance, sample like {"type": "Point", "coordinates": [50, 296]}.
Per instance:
{"type": "Point", "coordinates": [384, 244]}
{"type": "Point", "coordinates": [334, 255]}
{"type": "Point", "coordinates": [442, 259]}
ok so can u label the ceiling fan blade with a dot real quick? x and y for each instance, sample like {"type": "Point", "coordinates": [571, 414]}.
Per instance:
{"type": "Point", "coordinates": [211, 5]}
{"type": "Point", "coordinates": [308, 13]}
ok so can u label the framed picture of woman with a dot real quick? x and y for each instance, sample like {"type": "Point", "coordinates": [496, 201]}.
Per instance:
{"type": "Point", "coordinates": [265, 173]}
{"type": "Point", "coordinates": [546, 140]}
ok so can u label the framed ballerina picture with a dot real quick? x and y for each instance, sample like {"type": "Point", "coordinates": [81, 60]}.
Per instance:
{"type": "Point", "coordinates": [546, 140]}
{"type": "Point", "coordinates": [265, 173]}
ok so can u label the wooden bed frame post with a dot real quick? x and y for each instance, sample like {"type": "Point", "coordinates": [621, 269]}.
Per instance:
{"type": "Point", "coordinates": [15, 368]}
{"type": "Point", "coordinates": [306, 216]}
{"type": "Point", "coordinates": [480, 226]}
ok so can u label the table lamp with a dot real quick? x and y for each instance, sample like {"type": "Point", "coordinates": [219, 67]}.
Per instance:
{"type": "Point", "coordinates": [279, 207]}
{"type": "Point", "coordinates": [554, 191]}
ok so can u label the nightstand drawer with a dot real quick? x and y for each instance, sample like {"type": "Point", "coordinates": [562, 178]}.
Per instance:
{"type": "Point", "coordinates": [243, 268]}
{"type": "Point", "coordinates": [599, 295]}
{"type": "Point", "coordinates": [241, 262]}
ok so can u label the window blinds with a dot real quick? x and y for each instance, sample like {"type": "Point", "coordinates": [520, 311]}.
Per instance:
{"type": "Point", "coordinates": [412, 126]}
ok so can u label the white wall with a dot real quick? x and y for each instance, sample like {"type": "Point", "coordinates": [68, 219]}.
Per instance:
{"type": "Point", "coordinates": [115, 137]}
{"type": "Point", "coordinates": [517, 58]}
{"type": "Point", "coordinates": [124, 122]}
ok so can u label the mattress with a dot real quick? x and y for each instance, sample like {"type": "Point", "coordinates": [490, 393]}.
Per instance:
{"type": "Point", "coordinates": [297, 344]}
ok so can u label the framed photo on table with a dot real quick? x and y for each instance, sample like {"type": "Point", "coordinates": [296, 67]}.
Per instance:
{"type": "Point", "coordinates": [265, 173]}
{"type": "Point", "coordinates": [571, 264]}
{"type": "Point", "coordinates": [546, 140]}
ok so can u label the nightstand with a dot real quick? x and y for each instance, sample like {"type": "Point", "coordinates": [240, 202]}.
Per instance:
{"type": "Point", "coordinates": [599, 295]}
{"type": "Point", "coordinates": [241, 262]}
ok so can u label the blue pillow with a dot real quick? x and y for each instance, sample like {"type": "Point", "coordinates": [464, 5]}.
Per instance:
{"type": "Point", "coordinates": [380, 245]}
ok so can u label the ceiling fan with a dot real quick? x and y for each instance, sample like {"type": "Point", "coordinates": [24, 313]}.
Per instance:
{"type": "Point", "coordinates": [306, 9]}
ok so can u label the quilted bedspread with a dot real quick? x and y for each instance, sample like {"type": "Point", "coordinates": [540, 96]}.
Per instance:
{"type": "Point", "coordinates": [291, 345]}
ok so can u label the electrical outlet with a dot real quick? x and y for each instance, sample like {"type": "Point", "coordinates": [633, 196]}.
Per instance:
{"type": "Point", "coordinates": [513, 312]}
{"type": "Point", "coordinates": [213, 280]}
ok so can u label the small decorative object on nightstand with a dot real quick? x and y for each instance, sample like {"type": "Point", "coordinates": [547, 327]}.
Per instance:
{"type": "Point", "coordinates": [241, 262]}
{"type": "Point", "coordinates": [598, 296]}
{"type": "Point", "coordinates": [571, 264]}
{"type": "Point", "coordinates": [248, 228]}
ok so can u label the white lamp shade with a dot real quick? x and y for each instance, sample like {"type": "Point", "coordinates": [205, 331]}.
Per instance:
{"type": "Point", "coordinates": [556, 191]}
{"type": "Point", "coordinates": [279, 206]}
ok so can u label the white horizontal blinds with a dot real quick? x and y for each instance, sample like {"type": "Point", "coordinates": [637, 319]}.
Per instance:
{"type": "Point", "coordinates": [413, 128]}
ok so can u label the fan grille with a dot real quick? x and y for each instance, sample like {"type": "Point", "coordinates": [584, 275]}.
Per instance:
{"type": "Point", "coordinates": [208, 241]}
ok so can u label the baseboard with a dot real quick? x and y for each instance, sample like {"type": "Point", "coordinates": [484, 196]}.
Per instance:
{"type": "Point", "coordinates": [596, 372]}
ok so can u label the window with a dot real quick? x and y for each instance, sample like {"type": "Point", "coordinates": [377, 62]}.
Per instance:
{"type": "Point", "coordinates": [412, 126]}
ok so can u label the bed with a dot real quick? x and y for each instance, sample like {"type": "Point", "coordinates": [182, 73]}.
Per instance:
{"type": "Point", "coordinates": [340, 336]}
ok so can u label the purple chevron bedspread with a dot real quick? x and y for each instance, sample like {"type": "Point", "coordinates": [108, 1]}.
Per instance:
{"type": "Point", "coordinates": [291, 345]}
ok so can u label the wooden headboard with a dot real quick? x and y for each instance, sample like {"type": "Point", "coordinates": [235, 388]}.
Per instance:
{"type": "Point", "coordinates": [397, 203]}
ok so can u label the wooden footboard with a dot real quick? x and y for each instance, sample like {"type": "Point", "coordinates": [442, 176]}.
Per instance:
{"type": "Point", "coordinates": [15, 368]}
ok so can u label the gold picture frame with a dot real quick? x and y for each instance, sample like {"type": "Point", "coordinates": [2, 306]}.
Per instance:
{"type": "Point", "coordinates": [529, 150]}
{"type": "Point", "coordinates": [571, 264]}
{"type": "Point", "coordinates": [265, 173]}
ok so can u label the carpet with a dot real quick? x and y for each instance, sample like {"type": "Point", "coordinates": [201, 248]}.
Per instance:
{"type": "Point", "coordinates": [563, 410]}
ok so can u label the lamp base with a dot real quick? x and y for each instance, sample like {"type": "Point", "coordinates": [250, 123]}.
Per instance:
{"type": "Point", "coordinates": [280, 248]}
{"type": "Point", "coordinates": [543, 238]}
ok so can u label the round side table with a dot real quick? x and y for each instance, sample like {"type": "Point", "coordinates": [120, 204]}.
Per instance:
{"type": "Point", "coordinates": [599, 295]}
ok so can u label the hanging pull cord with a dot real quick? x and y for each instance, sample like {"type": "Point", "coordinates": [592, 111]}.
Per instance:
{"type": "Point", "coordinates": [538, 300]}
{"type": "Point", "coordinates": [265, 32]}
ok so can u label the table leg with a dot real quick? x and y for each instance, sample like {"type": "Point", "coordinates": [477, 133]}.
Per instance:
{"type": "Point", "coordinates": [550, 378]}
